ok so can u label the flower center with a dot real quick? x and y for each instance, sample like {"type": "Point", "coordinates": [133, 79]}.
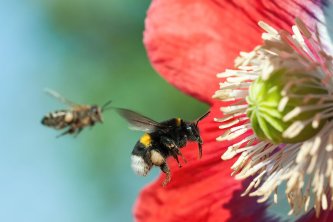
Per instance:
{"type": "Point", "coordinates": [280, 118]}
{"type": "Point", "coordinates": [272, 104]}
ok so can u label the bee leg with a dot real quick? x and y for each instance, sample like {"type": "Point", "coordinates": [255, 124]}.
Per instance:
{"type": "Point", "coordinates": [175, 149]}
{"type": "Point", "coordinates": [175, 152]}
{"type": "Point", "coordinates": [174, 155]}
{"type": "Point", "coordinates": [200, 150]}
{"type": "Point", "coordinates": [172, 145]}
{"type": "Point", "coordinates": [62, 134]}
{"type": "Point", "coordinates": [182, 156]}
{"type": "Point", "coordinates": [69, 131]}
{"type": "Point", "coordinates": [164, 167]}
{"type": "Point", "coordinates": [78, 132]}
{"type": "Point", "coordinates": [182, 141]}
{"type": "Point", "coordinates": [168, 142]}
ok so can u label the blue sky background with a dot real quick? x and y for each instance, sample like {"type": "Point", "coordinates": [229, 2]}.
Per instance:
{"type": "Point", "coordinates": [90, 51]}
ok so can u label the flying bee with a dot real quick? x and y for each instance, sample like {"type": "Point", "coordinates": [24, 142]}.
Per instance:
{"type": "Point", "coordinates": [74, 119]}
{"type": "Point", "coordinates": [160, 141]}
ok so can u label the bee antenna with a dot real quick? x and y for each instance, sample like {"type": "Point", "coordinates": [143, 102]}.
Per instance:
{"type": "Point", "coordinates": [106, 105]}
{"type": "Point", "coordinates": [201, 118]}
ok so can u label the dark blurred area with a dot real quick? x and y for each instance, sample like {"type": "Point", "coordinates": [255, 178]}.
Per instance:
{"type": "Point", "coordinates": [90, 52]}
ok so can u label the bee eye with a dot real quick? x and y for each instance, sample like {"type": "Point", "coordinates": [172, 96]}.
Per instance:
{"type": "Point", "coordinates": [94, 111]}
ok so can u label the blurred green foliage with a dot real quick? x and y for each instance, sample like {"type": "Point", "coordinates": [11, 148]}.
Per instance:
{"type": "Point", "coordinates": [102, 57]}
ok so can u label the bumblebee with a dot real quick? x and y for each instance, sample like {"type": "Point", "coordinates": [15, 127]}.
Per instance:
{"type": "Point", "coordinates": [74, 119]}
{"type": "Point", "coordinates": [160, 141]}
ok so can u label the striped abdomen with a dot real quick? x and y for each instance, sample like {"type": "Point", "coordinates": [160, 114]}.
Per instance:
{"type": "Point", "coordinates": [58, 119]}
{"type": "Point", "coordinates": [140, 162]}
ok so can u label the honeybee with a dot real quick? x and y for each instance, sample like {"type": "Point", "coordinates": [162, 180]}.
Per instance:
{"type": "Point", "coordinates": [160, 141]}
{"type": "Point", "coordinates": [74, 119]}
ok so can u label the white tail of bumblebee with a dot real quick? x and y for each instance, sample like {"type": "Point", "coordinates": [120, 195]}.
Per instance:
{"type": "Point", "coordinates": [139, 166]}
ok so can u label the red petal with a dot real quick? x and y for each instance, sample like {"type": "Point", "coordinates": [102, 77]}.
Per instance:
{"type": "Point", "coordinates": [202, 190]}
{"type": "Point", "coordinates": [189, 41]}
{"type": "Point", "coordinates": [325, 216]}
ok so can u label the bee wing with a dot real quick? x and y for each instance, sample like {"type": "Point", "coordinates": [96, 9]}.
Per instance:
{"type": "Point", "coordinates": [60, 98]}
{"type": "Point", "coordinates": [140, 122]}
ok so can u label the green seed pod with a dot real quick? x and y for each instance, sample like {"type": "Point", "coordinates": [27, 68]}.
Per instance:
{"type": "Point", "coordinates": [268, 113]}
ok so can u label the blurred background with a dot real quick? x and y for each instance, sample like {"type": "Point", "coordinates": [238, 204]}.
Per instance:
{"type": "Point", "coordinates": [90, 52]}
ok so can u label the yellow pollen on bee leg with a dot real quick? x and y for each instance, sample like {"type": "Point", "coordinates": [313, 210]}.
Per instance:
{"type": "Point", "coordinates": [68, 117]}
{"type": "Point", "coordinates": [146, 140]}
{"type": "Point", "coordinates": [157, 158]}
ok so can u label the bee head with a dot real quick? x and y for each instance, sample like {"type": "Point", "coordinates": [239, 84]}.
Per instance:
{"type": "Point", "coordinates": [96, 111]}
{"type": "Point", "coordinates": [96, 114]}
{"type": "Point", "coordinates": [192, 132]}
{"type": "Point", "coordinates": [192, 129]}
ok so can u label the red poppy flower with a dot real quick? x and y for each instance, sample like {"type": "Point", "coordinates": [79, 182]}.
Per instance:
{"type": "Point", "coordinates": [188, 43]}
